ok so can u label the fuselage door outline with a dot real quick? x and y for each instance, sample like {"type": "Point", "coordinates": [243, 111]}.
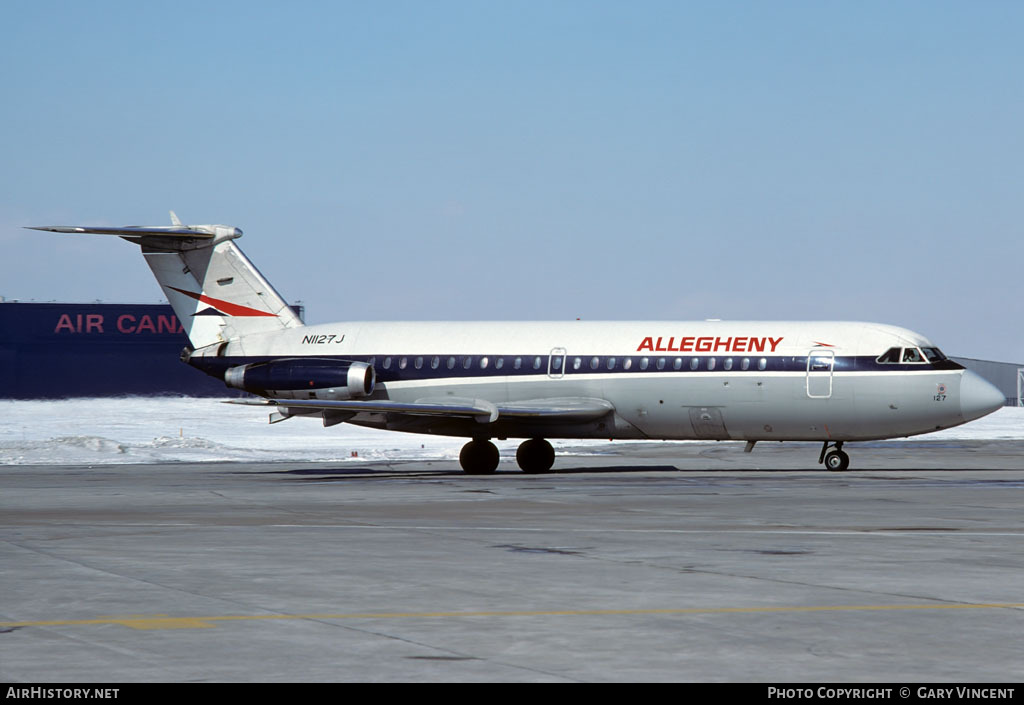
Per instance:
{"type": "Point", "coordinates": [556, 363]}
{"type": "Point", "coordinates": [820, 365]}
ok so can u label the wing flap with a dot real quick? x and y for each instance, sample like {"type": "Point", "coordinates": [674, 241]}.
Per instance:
{"type": "Point", "coordinates": [481, 410]}
{"type": "Point", "coordinates": [558, 409]}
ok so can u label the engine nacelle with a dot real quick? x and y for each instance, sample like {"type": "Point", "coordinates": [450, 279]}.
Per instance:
{"type": "Point", "coordinates": [304, 378]}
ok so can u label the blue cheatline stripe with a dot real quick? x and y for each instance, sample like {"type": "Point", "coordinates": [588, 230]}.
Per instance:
{"type": "Point", "coordinates": [400, 368]}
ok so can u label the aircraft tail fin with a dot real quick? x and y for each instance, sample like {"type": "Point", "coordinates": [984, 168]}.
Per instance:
{"type": "Point", "coordinates": [216, 292]}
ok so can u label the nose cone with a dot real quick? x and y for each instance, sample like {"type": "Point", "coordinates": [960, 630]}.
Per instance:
{"type": "Point", "coordinates": [978, 397]}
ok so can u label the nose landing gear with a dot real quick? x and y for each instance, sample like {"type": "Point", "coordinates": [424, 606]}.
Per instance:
{"type": "Point", "coordinates": [835, 460]}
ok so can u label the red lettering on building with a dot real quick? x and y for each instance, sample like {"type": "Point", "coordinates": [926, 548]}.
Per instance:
{"type": "Point", "coordinates": [126, 324]}
{"type": "Point", "coordinates": [168, 324]}
{"type": "Point", "coordinates": [64, 324]}
{"type": "Point", "coordinates": [90, 323]}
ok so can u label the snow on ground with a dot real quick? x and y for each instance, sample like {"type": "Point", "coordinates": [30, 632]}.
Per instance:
{"type": "Point", "coordinates": [173, 429]}
{"type": "Point", "coordinates": [169, 429]}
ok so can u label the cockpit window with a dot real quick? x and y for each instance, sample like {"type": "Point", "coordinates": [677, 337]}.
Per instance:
{"type": "Point", "coordinates": [890, 356]}
{"type": "Point", "coordinates": [912, 355]}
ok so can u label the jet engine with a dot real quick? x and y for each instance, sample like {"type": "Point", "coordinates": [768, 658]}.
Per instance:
{"type": "Point", "coordinates": [304, 378]}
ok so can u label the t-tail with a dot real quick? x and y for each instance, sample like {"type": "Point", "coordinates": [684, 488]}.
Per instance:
{"type": "Point", "coordinates": [216, 292]}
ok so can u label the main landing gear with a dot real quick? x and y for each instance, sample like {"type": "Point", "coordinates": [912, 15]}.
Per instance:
{"type": "Point", "coordinates": [835, 460]}
{"type": "Point", "coordinates": [480, 456]}
{"type": "Point", "coordinates": [535, 456]}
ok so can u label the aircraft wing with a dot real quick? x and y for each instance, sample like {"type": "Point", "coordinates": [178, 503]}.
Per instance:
{"type": "Point", "coordinates": [565, 409]}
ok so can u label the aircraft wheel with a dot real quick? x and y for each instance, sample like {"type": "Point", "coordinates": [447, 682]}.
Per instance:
{"type": "Point", "coordinates": [837, 461]}
{"type": "Point", "coordinates": [479, 458]}
{"type": "Point", "coordinates": [535, 456]}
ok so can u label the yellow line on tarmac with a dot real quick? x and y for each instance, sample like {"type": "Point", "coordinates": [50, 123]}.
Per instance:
{"type": "Point", "coordinates": [159, 621]}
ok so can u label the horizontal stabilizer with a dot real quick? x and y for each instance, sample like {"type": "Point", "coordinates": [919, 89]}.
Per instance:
{"type": "Point", "coordinates": [132, 230]}
{"type": "Point", "coordinates": [217, 294]}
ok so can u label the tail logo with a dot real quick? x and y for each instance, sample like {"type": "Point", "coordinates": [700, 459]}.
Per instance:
{"type": "Point", "coordinates": [221, 307]}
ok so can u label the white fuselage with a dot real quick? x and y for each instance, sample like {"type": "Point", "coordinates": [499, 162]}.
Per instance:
{"type": "Point", "coordinates": [736, 380]}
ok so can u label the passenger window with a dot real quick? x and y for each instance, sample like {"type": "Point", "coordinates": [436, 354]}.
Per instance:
{"type": "Point", "coordinates": [594, 362]}
{"type": "Point", "coordinates": [694, 363]}
{"type": "Point", "coordinates": [611, 363]}
{"type": "Point", "coordinates": [517, 363]}
{"type": "Point", "coordinates": [402, 363]}
{"type": "Point", "coordinates": [499, 363]}
{"type": "Point", "coordinates": [451, 363]}
{"type": "Point", "coordinates": [483, 363]}
{"type": "Point", "coordinates": [536, 363]}
{"type": "Point", "coordinates": [435, 362]}
{"type": "Point", "coordinates": [762, 363]}
{"type": "Point", "coordinates": [467, 363]}
{"type": "Point", "coordinates": [387, 363]}
{"type": "Point", "coordinates": [577, 363]}
{"type": "Point", "coordinates": [556, 362]}
{"type": "Point", "coordinates": [644, 363]}
{"type": "Point", "coordinates": [628, 364]}
{"type": "Point", "coordinates": [728, 363]}
{"type": "Point", "coordinates": [677, 364]}
{"type": "Point", "coordinates": [661, 363]}
{"type": "Point", "coordinates": [419, 363]}
{"type": "Point", "coordinates": [745, 364]}
{"type": "Point", "coordinates": [711, 363]}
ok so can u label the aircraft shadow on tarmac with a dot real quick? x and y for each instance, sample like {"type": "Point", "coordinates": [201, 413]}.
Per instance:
{"type": "Point", "coordinates": [389, 471]}
{"type": "Point", "coordinates": [371, 471]}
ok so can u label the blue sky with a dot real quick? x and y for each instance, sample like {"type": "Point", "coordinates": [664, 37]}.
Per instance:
{"type": "Point", "coordinates": [534, 160]}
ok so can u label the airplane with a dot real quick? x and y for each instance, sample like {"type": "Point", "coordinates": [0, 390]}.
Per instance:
{"type": "Point", "coordinates": [829, 382]}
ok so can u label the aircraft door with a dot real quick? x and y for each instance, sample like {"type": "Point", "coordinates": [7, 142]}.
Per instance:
{"type": "Point", "coordinates": [556, 363]}
{"type": "Point", "coordinates": [820, 364]}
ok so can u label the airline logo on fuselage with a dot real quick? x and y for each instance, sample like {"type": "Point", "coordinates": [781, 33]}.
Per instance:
{"type": "Point", "coordinates": [736, 344]}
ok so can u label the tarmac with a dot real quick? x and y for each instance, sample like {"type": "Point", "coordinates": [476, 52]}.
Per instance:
{"type": "Point", "coordinates": [645, 562]}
